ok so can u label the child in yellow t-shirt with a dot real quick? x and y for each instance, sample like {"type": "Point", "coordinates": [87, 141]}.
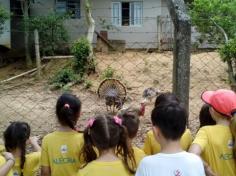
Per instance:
{"type": "Point", "coordinates": [109, 137]}
{"type": "Point", "coordinates": [214, 143]}
{"type": "Point", "coordinates": [130, 119]}
{"type": "Point", "coordinates": [61, 148]}
{"type": "Point", "coordinates": [6, 164]}
{"type": "Point", "coordinates": [151, 146]}
{"type": "Point", "coordinates": [16, 137]}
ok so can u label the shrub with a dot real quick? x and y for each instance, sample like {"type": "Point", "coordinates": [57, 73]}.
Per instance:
{"type": "Point", "coordinates": [87, 84]}
{"type": "Point", "coordinates": [63, 78]}
{"type": "Point", "coordinates": [52, 33]}
{"type": "Point", "coordinates": [108, 73]}
{"type": "Point", "coordinates": [81, 51]}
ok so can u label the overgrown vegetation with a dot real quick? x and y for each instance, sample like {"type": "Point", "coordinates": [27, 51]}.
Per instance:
{"type": "Point", "coordinates": [52, 33]}
{"type": "Point", "coordinates": [82, 61]}
{"type": "Point", "coordinates": [63, 77]}
{"type": "Point", "coordinates": [109, 72]}
{"type": "Point", "coordinates": [215, 20]}
{"type": "Point", "coordinates": [3, 17]}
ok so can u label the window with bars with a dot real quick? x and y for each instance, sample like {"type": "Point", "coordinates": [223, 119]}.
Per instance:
{"type": "Point", "coordinates": [127, 13]}
{"type": "Point", "coordinates": [69, 6]}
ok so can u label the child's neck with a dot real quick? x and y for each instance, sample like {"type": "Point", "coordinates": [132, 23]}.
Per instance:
{"type": "Point", "coordinates": [65, 129]}
{"type": "Point", "coordinates": [221, 121]}
{"type": "Point", "coordinates": [16, 153]}
{"type": "Point", "coordinates": [107, 155]}
{"type": "Point", "coordinates": [170, 146]}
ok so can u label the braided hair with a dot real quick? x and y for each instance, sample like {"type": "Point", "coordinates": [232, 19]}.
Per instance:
{"type": "Point", "coordinates": [15, 136]}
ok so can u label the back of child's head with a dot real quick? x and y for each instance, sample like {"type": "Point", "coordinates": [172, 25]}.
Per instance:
{"type": "Point", "coordinates": [205, 117]}
{"type": "Point", "coordinates": [130, 119]}
{"type": "Point", "coordinates": [171, 119]}
{"type": "Point", "coordinates": [166, 97]}
{"type": "Point", "coordinates": [15, 137]}
{"type": "Point", "coordinates": [106, 132]}
{"type": "Point", "coordinates": [68, 109]}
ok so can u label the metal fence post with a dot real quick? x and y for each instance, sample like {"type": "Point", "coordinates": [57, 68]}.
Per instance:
{"type": "Point", "coordinates": [182, 49]}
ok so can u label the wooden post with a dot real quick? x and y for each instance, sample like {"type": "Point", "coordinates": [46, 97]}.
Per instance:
{"type": "Point", "coordinates": [37, 53]}
{"type": "Point", "coordinates": [182, 49]}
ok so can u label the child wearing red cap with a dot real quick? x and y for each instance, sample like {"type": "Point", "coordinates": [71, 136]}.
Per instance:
{"type": "Point", "coordinates": [215, 142]}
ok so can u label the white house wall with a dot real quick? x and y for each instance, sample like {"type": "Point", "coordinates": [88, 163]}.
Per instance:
{"type": "Point", "coordinates": [5, 38]}
{"type": "Point", "coordinates": [144, 36]}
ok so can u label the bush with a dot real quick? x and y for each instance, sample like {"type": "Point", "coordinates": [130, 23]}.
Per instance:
{"type": "Point", "coordinates": [52, 33]}
{"type": "Point", "coordinates": [87, 84]}
{"type": "Point", "coordinates": [228, 51]}
{"type": "Point", "coordinates": [108, 73]}
{"type": "Point", "coordinates": [81, 51]}
{"type": "Point", "coordinates": [63, 78]}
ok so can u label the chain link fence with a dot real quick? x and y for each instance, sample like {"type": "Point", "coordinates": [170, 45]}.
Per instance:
{"type": "Point", "coordinates": [144, 60]}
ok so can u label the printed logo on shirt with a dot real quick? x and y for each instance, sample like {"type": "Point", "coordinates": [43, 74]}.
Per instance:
{"type": "Point", "coordinates": [64, 149]}
{"type": "Point", "coordinates": [15, 173]}
{"type": "Point", "coordinates": [227, 156]}
{"type": "Point", "coordinates": [177, 173]}
{"type": "Point", "coordinates": [230, 144]}
{"type": "Point", "coordinates": [64, 160]}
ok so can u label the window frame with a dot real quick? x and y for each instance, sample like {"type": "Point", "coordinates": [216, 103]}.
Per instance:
{"type": "Point", "coordinates": [131, 24]}
{"type": "Point", "coordinates": [67, 9]}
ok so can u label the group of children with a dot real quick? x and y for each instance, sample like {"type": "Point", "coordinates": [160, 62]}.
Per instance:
{"type": "Point", "coordinates": [105, 147]}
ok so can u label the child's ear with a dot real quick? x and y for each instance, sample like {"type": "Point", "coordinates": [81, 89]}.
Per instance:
{"type": "Point", "coordinates": [156, 132]}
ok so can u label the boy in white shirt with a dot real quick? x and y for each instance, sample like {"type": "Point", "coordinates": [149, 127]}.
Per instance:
{"type": "Point", "coordinates": [169, 123]}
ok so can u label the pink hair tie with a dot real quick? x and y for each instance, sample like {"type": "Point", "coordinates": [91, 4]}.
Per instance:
{"type": "Point", "coordinates": [117, 120]}
{"type": "Point", "coordinates": [67, 106]}
{"type": "Point", "coordinates": [90, 122]}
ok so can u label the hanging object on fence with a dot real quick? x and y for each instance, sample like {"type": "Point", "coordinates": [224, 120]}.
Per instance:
{"type": "Point", "coordinates": [113, 92]}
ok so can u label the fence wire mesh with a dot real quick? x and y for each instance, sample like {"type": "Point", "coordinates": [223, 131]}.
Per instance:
{"type": "Point", "coordinates": [146, 60]}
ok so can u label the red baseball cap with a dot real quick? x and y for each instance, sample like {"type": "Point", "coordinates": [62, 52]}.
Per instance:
{"type": "Point", "coordinates": [222, 100]}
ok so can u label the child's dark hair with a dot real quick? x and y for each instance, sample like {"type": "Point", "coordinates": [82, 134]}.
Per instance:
{"type": "Point", "coordinates": [171, 118]}
{"type": "Point", "coordinates": [166, 97]}
{"type": "Point", "coordinates": [205, 117]}
{"type": "Point", "coordinates": [15, 136]}
{"type": "Point", "coordinates": [130, 119]}
{"type": "Point", "coordinates": [105, 133]}
{"type": "Point", "coordinates": [68, 110]}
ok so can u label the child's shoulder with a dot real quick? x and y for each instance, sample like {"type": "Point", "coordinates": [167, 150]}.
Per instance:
{"type": "Point", "coordinates": [58, 134]}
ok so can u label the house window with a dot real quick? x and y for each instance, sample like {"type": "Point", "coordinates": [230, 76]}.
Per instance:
{"type": "Point", "coordinates": [127, 13]}
{"type": "Point", "coordinates": [68, 6]}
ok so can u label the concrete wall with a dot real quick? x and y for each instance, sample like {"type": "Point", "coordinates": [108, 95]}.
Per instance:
{"type": "Point", "coordinates": [5, 38]}
{"type": "Point", "coordinates": [144, 36]}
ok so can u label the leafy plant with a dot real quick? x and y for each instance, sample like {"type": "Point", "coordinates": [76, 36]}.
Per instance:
{"type": "Point", "coordinates": [52, 32]}
{"type": "Point", "coordinates": [88, 84]}
{"type": "Point", "coordinates": [3, 17]}
{"type": "Point", "coordinates": [63, 77]}
{"type": "Point", "coordinates": [81, 51]}
{"type": "Point", "coordinates": [109, 72]}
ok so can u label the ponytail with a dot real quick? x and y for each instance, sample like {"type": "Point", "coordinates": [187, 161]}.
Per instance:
{"type": "Point", "coordinates": [87, 153]}
{"type": "Point", "coordinates": [125, 150]}
{"type": "Point", "coordinates": [68, 115]}
{"type": "Point", "coordinates": [22, 158]}
{"type": "Point", "coordinates": [233, 131]}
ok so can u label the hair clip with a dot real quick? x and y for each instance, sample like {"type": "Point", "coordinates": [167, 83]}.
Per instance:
{"type": "Point", "coordinates": [67, 105]}
{"type": "Point", "coordinates": [90, 122]}
{"type": "Point", "coordinates": [117, 120]}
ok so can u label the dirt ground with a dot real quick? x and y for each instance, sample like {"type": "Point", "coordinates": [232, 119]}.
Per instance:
{"type": "Point", "coordinates": [32, 100]}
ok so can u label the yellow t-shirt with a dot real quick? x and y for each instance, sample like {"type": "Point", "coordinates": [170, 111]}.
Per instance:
{"type": "Point", "coordinates": [151, 146]}
{"type": "Point", "coordinates": [2, 148]}
{"type": "Point", "coordinates": [100, 168]}
{"type": "Point", "coordinates": [138, 154]}
{"type": "Point", "coordinates": [31, 166]}
{"type": "Point", "coordinates": [60, 152]}
{"type": "Point", "coordinates": [216, 142]}
{"type": "Point", "coordinates": [2, 162]}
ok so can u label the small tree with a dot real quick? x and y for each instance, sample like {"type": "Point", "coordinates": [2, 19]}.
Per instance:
{"type": "Point", "coordinates": [215, 19]}
{"type": "Point", "coordinates": [3, 17]}
{"type": "Point", "coordinates": [52, 32]}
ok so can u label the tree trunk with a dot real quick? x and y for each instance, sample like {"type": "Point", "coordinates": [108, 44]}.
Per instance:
{"type": "Point", "coordinates": [91, 25]}
{"type": "Point", "coordinates": [25, 8]}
